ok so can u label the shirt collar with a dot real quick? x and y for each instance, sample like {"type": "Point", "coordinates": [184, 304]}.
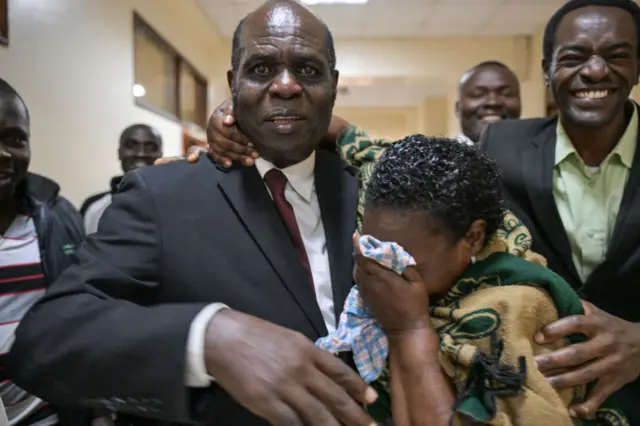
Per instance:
{"type": "Point", "coordinates": [625, 148]}
{"type": "Point", "coordinates": [300, 175]}
{"type": "Point", "coordinates": [464, 139]}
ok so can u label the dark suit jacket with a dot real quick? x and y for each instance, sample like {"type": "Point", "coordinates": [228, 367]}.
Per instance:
{"type": "Point", "coordinates": [525, 153]}
{"type": "Point", "coordinates": [112, 331]}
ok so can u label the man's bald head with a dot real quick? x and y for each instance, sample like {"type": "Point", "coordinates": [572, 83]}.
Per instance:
{"type": "Point", "coordinates": [493, 66]}
{"type": "Point", "coordinates": [283, 82]}
{"type": "Point", "coordinates": [280, 12]}
{"type": "Point", "coordinates": [488, 92]}
{"type": "Point", "coordinates": [139, 127]}
{"type": "Point", "coordinates": [7, 92]}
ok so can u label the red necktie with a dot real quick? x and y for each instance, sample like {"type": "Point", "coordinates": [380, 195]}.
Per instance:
{"type": "Point", "coordinates": [276, 181]}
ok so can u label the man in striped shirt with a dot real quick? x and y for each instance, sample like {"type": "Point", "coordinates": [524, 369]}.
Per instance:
{"type": "Point", "coordinates": [38, 232]}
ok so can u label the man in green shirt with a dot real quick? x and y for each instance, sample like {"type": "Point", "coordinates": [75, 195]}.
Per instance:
{"type": "Point", "coordinates": [574, 181]}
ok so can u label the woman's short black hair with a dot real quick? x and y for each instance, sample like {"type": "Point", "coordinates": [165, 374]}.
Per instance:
{"type": "Point", "coordinates": [452, 182]}
{"type": "Point", "coordinates": [571, 5]}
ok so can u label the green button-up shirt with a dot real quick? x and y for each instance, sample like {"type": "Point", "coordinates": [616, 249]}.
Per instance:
{"type": "Point", "coordinates": [588, 198]}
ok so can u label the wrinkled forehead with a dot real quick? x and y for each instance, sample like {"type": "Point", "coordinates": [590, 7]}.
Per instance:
{"type": "Point", "coordinates": [596, 26]}
{"type": "Point", "coordinates": [284, 32]}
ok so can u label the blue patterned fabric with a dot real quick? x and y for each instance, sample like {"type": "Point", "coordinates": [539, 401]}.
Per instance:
{"type": "Point", "coordinates": [358, 332]}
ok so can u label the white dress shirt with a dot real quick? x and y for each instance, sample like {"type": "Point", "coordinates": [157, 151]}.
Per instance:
{"type": "Point", "coordinates": [94, 213]}
{"type": "Point", "coordinates": [300, 192]}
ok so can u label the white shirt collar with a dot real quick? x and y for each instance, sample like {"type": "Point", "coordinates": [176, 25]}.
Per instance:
{"type": "Point", "coordinates": [464, 139]}
{"type": "Point", "coordinates": [300, 175]}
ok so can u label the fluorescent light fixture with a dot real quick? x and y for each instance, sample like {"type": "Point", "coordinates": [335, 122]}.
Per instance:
{"type": "Point", "coordinates": [312, 2]}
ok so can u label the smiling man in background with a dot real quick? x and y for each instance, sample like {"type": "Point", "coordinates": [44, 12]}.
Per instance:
{"type": "Point", "coordinates": [39, 231]}
{"type": "Point", "coordinates": [488, 92]}
{"type": "Point", "coordinates": [140, 145]}
{"type": "Point", "coordinates": [575, 183]}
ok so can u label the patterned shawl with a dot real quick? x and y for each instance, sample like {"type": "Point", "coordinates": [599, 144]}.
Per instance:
{"type": "Point", "coordinates": [486, 323]}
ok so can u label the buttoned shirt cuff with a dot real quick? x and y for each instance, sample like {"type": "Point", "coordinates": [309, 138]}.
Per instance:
{"type": "Point", "coordinates": [196, 370]}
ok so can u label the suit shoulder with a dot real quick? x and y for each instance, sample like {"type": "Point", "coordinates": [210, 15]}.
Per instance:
{"type": "Point", "coordinates": [335, 162]}
{"type": "Point", "coordinates": [508, 137]}
{"type": "Point", "coordinates": [519, 127]}
{"type": "Point", "coordinates": [180, 173]}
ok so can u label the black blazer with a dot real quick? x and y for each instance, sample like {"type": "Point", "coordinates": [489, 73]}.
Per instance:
{"type": "Point", "coordinates": [112, 331]}
{"type": "Point", "coordinates": [525, 153]}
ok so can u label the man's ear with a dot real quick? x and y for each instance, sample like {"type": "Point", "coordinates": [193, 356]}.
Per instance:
{"type": "Point", "coordinates": [334, 85]}
{"type": "Point", "coordinates": [230, 79]}
{"type": "Point", "coordinates": [458, 109]}
{"type": "Point", "coordinates": [545, 72]}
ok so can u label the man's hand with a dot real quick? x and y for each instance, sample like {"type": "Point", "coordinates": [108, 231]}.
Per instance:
{"type": "Point", "coordinates": [611, 355]}
{"type": "Point", "coordinates": [226, 142]}
{"type": "Point", "coordinates": [281, 376]}
{"type": "Point", "coordinates": [399, 303]}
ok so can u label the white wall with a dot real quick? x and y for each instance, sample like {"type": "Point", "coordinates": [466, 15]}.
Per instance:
{"type": "Point", "coordinates": [72, 61]}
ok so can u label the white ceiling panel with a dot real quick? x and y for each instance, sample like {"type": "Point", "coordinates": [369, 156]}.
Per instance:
{"type": "Point", "coordinates": [454, 15]}
{"type": "Point", "coordinates": [506, 30]}
{"type": "Point", "coordinates": [522, 13]}
{"type": "Point", "coordinates": [437, 29]}
{"type": "Point", "coordinates": [380, 14]}
{"type": "Point", "coordinates": [407, 18]}
{"type": "Point", "coordinates": [350, 19]}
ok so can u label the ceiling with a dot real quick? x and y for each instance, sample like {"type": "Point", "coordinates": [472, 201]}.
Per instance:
{"type": "Point", "coordinates": [407, 18]}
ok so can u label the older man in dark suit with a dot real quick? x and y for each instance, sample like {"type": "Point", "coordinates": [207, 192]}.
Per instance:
{"type": "Point", "coordinates": [200, 295]}
{"type": "Point", "coordinates": [575, 182]}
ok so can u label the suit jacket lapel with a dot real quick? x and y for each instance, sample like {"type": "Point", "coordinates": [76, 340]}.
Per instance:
{"type": "Point", "coordinates": [248, 196]}
{"type": "Point", "coordinates": [626, 233]}
{"type": "Point", "coordinates": [337, 195]}
{"type": "Point", "coordinates": [538, 163]}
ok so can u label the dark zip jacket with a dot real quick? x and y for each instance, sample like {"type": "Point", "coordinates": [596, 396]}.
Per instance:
{"type": "Point", "coordinates": [60, 232]}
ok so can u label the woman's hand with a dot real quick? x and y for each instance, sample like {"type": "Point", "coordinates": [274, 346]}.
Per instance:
{"type": "Point", "coordinates": [226, 142]}
{"type": "Point", "coordinates": [399, 303]}
{"type": "Point", "coordinates": [421, 394]}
